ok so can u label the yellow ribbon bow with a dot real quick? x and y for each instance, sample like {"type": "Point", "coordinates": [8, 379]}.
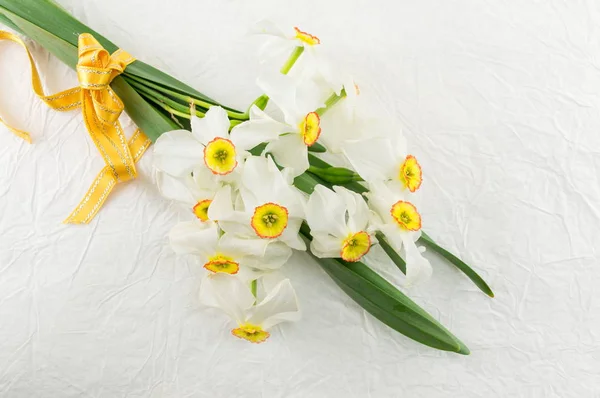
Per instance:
{"type": "Point", "coordinates": [101, 108]}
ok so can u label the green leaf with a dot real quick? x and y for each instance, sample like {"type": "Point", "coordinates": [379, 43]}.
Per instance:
{"type": "Point", "coordinates": [392, 254]}
{"type": "Point", "coordinates": [461, 265]}
{"type": "Point", "coordinates": [388, 304]}
{"type": "Point", "coordinates": [353, 186]}
{"type": "Point", "coordinates": [58, 47]}
{"type": "Point", "coordinates": [5, 21]}
{"type": "Point", "coordinates": [152, 122]}
{"type": "Point", "coordinates": [335, 175]}
{"type": "Point", "coordinates": [317, 148]}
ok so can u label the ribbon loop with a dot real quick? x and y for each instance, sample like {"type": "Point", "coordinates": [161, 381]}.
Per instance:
{"type": "Point", "coordinates": [101, 108]}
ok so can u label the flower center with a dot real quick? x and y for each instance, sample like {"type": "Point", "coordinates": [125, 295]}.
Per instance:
{"type": "Point", "coordinates": [355, 246]}
{"type": "Point", "coordinates": [406, 216]}
{"type": "Point", "coordinates": [307, 38]}
{"type": "Point", "coordinates": [219, 156]}
{"type": "Point", "coordinates": [269, 220]}
{"type": "Point", "coordinates": [411, 174]}
{"type": "Point", "coordinates": [310, 128]}
{"type": "Point", "coordinates": [201, 209]}
{"type": "Point", "coordinates": [252, 333]}
{"type": "Point", "coordinates": [222, 263]}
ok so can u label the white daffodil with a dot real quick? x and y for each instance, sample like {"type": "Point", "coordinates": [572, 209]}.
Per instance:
{"type": "Point", "coordinates": [283, 42]}
{"type": "Point", "coordinates": [195, 191]}
{"type": "Point", "coordinates": [386, 160]}
{"type": "Point", "coordinates": [298, 101]}
{"type": "Point", "coordinates": [339, 223]}
{"type": "Point", "coordinates": [400, 222]}
{"type": "Point", "coordinates": [208, 145]}
{"type": "Point", "coordinates": [234, 297]}
{"type": "Point", "coordinates": [313, 62]}
{"type": "Point", "coordinates": [227, 253]}
{"type": "Point", "coordinates": [271, 208]}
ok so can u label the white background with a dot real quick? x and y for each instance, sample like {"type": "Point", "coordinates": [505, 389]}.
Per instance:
{"type": "Point", "coordinates": [500, 101]}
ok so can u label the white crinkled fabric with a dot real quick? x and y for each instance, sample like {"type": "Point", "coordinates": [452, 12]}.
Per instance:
{"type": "Point", "coordinates": [498, 100]}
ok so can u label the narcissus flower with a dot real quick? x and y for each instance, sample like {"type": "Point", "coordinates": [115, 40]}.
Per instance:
{"type": "Point", "coordinates": [270, 209]}
{"type": "Point", "coordinates": [314, 62]}
{"type": "Point", "coordinates": [286, 39]}
{"type": "Point", "coordinates": [208, 145]}
{"type": "Point", "coordinates": [339, 222]}
{"type": "Point", "coordinates": [384, 159]}
{"type": "Point", "coordinates": [234, 297]}
{"type": "Point", "coordinates": [227, 253]}
{"type": "Point", "coordinates": [302, 127]}
{"type": "Point", "coordinates": [400, 222]}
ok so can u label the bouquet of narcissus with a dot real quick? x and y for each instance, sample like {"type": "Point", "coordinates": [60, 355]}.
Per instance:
{"type": "Point", "coordinates": [305, 168]}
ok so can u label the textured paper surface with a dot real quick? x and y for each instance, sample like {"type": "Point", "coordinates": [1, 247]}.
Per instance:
{"type": "Point", "coordinates": [500, 103]}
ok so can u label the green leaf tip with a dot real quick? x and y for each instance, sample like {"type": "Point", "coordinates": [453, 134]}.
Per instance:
{"type": "Point", "coordinates": [458, 263]}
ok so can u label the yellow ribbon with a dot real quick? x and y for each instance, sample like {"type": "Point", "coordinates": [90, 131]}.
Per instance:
{"type": "Point", "coordinates": [101, 108]}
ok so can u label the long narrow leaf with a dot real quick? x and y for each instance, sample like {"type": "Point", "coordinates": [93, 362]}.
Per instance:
{"type": "Point", "coordinates": [461, 265]}
{"type": "Point", "coordinates": [5, 21]}
{"type": "Point", "coordinates": [64, 51]}
{"type": "Point", "coordinates": [152, 122]}
{"type": "Point", "coordinates": [392, 254]}
{"type": "Point", "coordinates": [389, 305]}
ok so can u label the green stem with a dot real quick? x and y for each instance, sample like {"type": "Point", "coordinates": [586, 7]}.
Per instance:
{"type": "Point", "coordinates": [167, 108]}
{"type": "Point", "coordinates": [263, 100]}
{"type": "Point", "coordinates": [292, 60]}
{"type": "Point", "coordinates": [166, 100]}
{"type": "Point", "coordinates": [185, 98]}
{"type": "Point", "coordinates": [389, 250]}
{"type": "Point", "coordinates": [253, 287]}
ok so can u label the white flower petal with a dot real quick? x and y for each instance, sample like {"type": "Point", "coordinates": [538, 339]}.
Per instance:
{"type": "Point", "coordinates": [228, 293]}
{"type": "Point", "coordinates": [178, 153]}
{"type": "Point", "coordinates": [264, 183]}
{"type": "Point", "coordinates": [260, 128]}
{"type": "Point", "coordinates": [358, 209]}
{"type": "Point", "coordinates": [280, 305]}
{"type": "Point", "coordinates": [243, 247]}
{"type": "Point", "coordinates": [247, 274]}
{"type": "Point", "coordinates": [326, 246]}
{"type": "Point", "coordinates": [266, 27]}
{"type": "Point", "coordinates": [290, 235]}
{"type": "Point", "coordinates": [309, 97]}
{"type": "Point", "coordinates": [205, 184]}
{"type": "Point", "coordinates": [215, 123]}
{"type": "Point", "coordinates": [326, 212]}
{"type": "Point", "coordinates": [282, 90]}
{"type": "Point", "coordinates": [221, 208]}
{"type": "Point", "coordinates": [418, 268]}
{"type": "Point", "coordinates": [381, 199]}
{"type": "Point", "coordinates": [239, 227]}
{"type": "Point", "coordinates": [290, 152]}
{"type": "Point", "coordinates": [177, 189]}
{"type": "Point", "coordinates": [276, 255]}
{"type": "Point", "coordinates": [393, 235]}
{"type": "Point", "coordinates": [194, 237]}
{"type": "Point", "coordinates": [373, 159]}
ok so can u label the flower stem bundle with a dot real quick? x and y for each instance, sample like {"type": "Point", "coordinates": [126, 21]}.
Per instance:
{"type": "Point", "coordinates": [303, 168]}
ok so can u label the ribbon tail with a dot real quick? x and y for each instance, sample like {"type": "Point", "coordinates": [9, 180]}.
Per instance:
{"type": "Point", "coordinates": [104, 184]}
{"type": "Point", "coordinates": [94, 198]}
{"type": "Point", "coordinates": [19, 133]}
